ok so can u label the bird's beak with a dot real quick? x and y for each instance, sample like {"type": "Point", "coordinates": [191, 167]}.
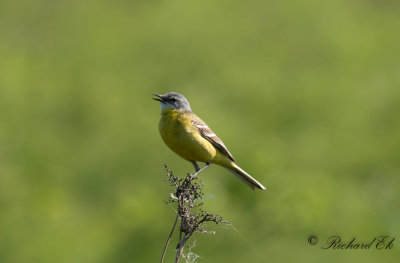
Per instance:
{"type": "Point", "coordinates": [160, 97]}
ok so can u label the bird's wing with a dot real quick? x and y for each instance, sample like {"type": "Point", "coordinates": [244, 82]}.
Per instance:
{"type": "Point", "coordinates": [210, 136]}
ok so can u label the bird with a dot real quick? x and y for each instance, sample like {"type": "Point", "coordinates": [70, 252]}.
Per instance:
{"type": "Point", "coordinates": [191, 138]}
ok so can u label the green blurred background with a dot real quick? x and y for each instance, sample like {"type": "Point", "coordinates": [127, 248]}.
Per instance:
{"type": "Point", "coordinates": [305, 94]}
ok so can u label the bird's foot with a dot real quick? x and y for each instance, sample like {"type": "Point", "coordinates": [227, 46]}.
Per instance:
{"type": "Point", "coordinates": [200, 170]}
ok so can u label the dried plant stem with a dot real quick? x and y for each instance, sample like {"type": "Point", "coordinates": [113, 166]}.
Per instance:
{"type": "Point", "coordinates": [169, 238]}
{"type": "Point", "coordinates": [180, 247]}
{"type": "Point", "coordinates": [188, 198]}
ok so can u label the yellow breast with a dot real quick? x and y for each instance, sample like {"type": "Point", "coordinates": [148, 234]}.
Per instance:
{"type": "Point", "coordinates": [180, 136]}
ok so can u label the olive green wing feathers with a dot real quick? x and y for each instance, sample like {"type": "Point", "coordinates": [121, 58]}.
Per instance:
{"type": "Point", "coordinates": [210, 136]}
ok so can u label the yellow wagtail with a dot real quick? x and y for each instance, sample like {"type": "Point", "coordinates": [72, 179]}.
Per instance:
{"type": "Point", "coordinates": [191, 138]}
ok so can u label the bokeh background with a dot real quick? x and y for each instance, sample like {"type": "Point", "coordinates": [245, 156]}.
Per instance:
{"type": "Point", "coordinates": [305, 94]}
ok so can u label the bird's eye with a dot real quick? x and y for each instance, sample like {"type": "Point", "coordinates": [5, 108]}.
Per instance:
{"type": "Point", "coordinates": [173, 99]}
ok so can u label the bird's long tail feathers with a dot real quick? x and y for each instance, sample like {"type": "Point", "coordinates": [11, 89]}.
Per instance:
{"type": "Point", "coordinates": [245, 177]}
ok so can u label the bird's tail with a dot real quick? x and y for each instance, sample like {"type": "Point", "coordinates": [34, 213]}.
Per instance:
{"type": "Point", "coordinates": [245, 177]}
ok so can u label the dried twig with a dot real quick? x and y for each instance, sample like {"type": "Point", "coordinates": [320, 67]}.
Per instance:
{"type": "Point", "coordinates": [188, 198]}
{"type": "Point", "coordinates": [169, 238]}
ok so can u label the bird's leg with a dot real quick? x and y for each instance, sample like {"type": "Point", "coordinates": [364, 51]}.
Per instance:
{"type": "Point", "coordinates": [202, 169]}
{"type": "Point", "coordinates": [196, 166]}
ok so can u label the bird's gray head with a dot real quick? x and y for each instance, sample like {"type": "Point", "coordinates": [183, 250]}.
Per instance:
{"type": "Point", "coordinates": [173, 100]}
